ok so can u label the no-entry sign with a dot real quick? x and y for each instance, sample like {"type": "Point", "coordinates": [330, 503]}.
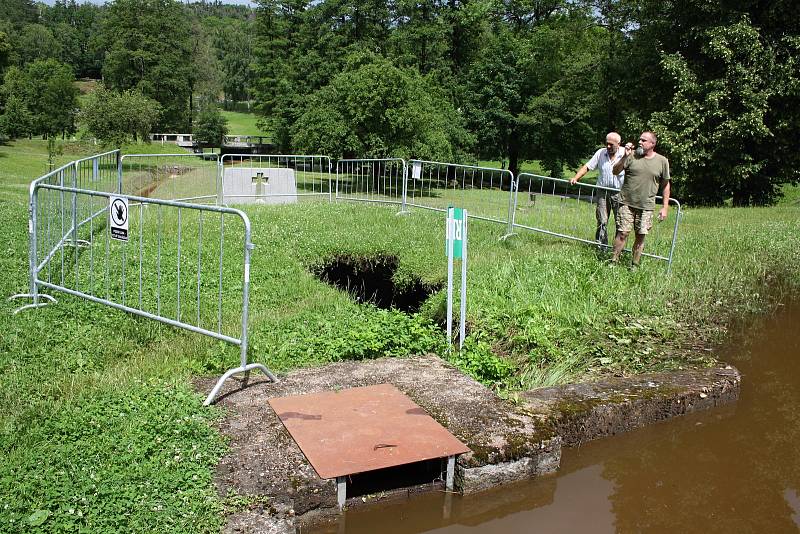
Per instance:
{"type": "Point", "coordinates": [118, 217]}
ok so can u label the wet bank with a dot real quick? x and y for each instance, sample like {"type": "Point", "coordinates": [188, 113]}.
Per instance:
{"type": "Point", "coordinates": [735, 468]}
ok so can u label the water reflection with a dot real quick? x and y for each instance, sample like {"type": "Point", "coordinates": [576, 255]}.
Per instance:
{"type": "Point", "coordinates": [734, 468]}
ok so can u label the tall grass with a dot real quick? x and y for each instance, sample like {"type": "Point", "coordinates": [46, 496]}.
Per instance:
{"type": "Point", "coordinates": [100, 427]}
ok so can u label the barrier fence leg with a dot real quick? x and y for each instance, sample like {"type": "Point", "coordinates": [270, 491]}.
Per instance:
{"type": "Point", "coordinates": [33, 290]}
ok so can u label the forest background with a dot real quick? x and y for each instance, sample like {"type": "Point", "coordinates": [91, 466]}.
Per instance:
{"type": "Point", "coordinates": [448, 80]}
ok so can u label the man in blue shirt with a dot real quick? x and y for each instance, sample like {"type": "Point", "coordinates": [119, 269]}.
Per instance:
{"type": "Point", "coordinates": [607, 199]}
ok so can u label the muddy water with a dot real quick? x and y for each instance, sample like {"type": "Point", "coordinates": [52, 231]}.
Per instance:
{"type": "Point", "coordinates": [734, 469]}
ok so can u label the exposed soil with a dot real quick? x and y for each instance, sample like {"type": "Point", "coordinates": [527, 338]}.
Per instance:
{"type": "Point", "coordinates": [371, 279]}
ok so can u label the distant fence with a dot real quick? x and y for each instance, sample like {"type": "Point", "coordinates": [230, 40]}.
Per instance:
{"type": "Point", "coordinates": [555, 207]}
{"type": "Point", "coordinates": [235, 140]}
{"type": "Point", "coordinates": [486, 192]}
{"type": "Point", "coordinates": [371, 180]}
{"type": "Point", "coordinates": [181, 177]}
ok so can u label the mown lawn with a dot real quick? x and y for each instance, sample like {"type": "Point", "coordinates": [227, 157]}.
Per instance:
{"type": "Point", "coordinates": [100, 427]}
{"type": "Point", "coordinates": [242, 123]}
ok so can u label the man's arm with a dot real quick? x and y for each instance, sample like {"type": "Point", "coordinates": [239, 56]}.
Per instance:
{"type": "Point", "coordinates": [665, 206]}
{"type": "Point", "coordinates": [620, 164]}
{"type": "Point", "coordinates": [578, 175]}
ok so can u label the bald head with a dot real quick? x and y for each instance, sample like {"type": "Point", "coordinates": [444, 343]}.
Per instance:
{"type": "Point", "coordinates": [613, 140]}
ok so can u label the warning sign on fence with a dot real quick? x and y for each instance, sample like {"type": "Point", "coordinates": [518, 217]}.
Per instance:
{"type": "Point", "coordinates": [118, 217]}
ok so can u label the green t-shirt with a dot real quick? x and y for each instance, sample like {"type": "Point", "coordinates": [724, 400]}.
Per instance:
{"type": "Point", "coordinates": [642, 178]}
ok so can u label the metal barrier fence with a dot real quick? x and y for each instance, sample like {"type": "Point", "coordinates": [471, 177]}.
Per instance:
{"type": "Point", "coordinates": [179, 265]}
{"type": "Point", "coordinates": [274, 179]}
{"type": "Point", "coordinates": [555, 207]}
{"type": "Point", "coordinates": [372, 180]}
{"type": "Point", "coordinates": [183, 264]}
{"type": "Point", "coordinates": [182, 177]}
{"type": "Point", "coordinates": [487, 193]}
{"type": "Point", "coordinates": [100, 172]}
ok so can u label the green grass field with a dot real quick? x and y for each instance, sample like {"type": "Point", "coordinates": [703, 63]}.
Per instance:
{"type": "Point", "coordinates": [242, 123]}
{"type": "Point", "coordinates": [102, 431]}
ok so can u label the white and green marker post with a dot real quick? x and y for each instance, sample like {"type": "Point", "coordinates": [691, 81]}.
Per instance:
{"type": "Point", "coordinates": [456, 244]}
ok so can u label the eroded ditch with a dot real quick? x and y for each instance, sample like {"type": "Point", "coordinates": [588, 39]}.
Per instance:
{"type": "Point", "coordinates": [371, 279]}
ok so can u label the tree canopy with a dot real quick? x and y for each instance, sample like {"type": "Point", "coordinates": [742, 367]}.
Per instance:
{"type": "Point", "coordinates": [376, 109]}
{"type": "Point", "coordinates": [210, 127]}
{"type": "Point", "coordinates": [117, 117]}
{"type": "Point", "coordinates": [149, 48]}
{"type": "Point", "coordinates": [40, 99]}
{"type": "Point", "coordinates": [510, 80]}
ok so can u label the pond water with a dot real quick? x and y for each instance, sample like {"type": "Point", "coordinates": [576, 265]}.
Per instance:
{"type": "Point", "coordinates": [734, 468]}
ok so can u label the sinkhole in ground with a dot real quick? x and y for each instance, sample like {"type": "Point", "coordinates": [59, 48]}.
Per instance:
{"type": "Point", "coordinates": [370, 279]}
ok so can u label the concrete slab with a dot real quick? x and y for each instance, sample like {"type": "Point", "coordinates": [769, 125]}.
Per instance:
{"type": "Point", "coordinates": [265, 462]}
{"type": "Point", "coordinates": [591, 410]}
{"type": "Point", "coordinates": [508, 441]}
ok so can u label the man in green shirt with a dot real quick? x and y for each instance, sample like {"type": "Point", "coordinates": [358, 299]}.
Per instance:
{"type": "Point", "coordinates": [645, 172]}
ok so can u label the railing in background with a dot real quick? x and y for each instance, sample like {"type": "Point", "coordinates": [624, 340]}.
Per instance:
{"type": "Point", "coordinates": [488, 193]}
{"type": "Point", "coordinates": [232, 140]}
{"type": "Point", "coordinates": [182, 177]}
{"type": "Point", "coordinates": [372, 180]}
{"type": "Point", "coordinates": [274, 179]}
{"type": "Point", "coordinates": [555, 207]}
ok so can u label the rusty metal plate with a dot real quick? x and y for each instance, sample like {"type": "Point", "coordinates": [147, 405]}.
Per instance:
{"type": "Point", "coordinates": [363, 429]}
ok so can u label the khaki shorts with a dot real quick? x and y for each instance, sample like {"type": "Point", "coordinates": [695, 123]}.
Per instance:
{"type": "Point", "coordinates": [634, 219]}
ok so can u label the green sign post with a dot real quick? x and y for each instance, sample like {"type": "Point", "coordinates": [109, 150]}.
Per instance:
{"type": "Point", "coordinates": [456, 246]}
{"type": "Point", "coordinates": [456, 218]}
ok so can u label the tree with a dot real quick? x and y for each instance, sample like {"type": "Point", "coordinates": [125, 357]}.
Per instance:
{"type": "Point", "coordinates": [530, 96]}
{"type": "Point", "coordinates": [77, 28]}
{"type": "Point", "coordinates": [420, 38]}
{"type": "Point", "coordinates": [20, 12]}
{"type": "Point", "coordinates": [118, 117]}
{"type": "Point", "coordinates": [376, 109]}
{"type": "Point", "coordinates": [233, 43]}
{"type": "Point", "coordinates": [210, 127]}
{"type": "Point", "coordinates": [713, 119]}
{"type": "Point", "coordinates": [16, 121]}
{"type": "Point", "coordinates": [281, 28]}
{"type": "Point", "coordinates": [37, 42]}
{"type": "Point", "coordinates": [724, 96]}
{"type": "Point", "coordinates": [149, 49]}
{"type": "Point", "coordinates": [206, 80]}
{"type": "Point", "coordinates": [5, 51]}
{"type": "Point", "coordinates": [46, 89]}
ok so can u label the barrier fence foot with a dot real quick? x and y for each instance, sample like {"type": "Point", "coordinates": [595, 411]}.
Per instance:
{"type": "Point", "coordinates": [506, 236]}
{"type": "Point", "coordinates": [246, 370]}
{"type": "Point", "coordinates": [35, 304]}
{"type": "Point", "coordinates": [79, 243]}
